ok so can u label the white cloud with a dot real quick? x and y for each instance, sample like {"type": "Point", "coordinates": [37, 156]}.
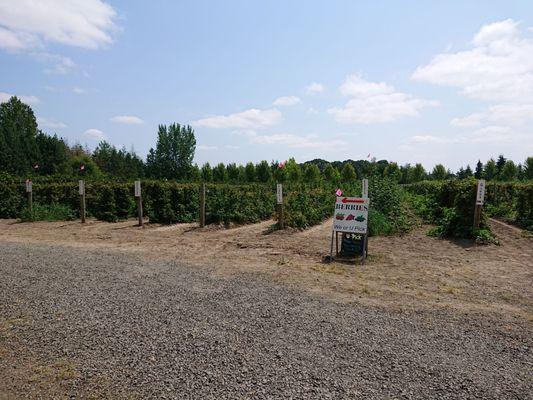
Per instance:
{"type": "Point", "coordinates": [249, 119]}
{"type": "Point", "coordinates": [127, 120]}
{"type": "Point", "coordinates": [50, 123]}
{"type": "Point", "coordinates": [60, 64]}
{"type": "Point", "coordinates": [492, 134]}
{"type": "Point", "coordinates": [468, 121]}
{"type": "Point", "coordinates": [355, 86]}
{"type": "Point", "coordinates": [4, 97]}
{"type": "Point", "coordinates": [26, 24]}
{"type": "Point", "coordinates": [509, 113]}
{"type": "Point", "coordinates": [295, 141]}
{"type": "Point", "coordinates": [314, 87]}
{"type": "Point", "coordinates": [514, 114]}
{"type": "Point", "coordinates": [204, 147]}
{"type": "Point", "coordinates": [431, 139]}
{"type": "Point", "coordinates": [498, 67]}
{"type": "Point", "coordinates": [232, 147]}
{"type": "Point", "coordinates": [375, 102]}
{"type": "Point", "coordinates": [94, 134]}
{"type": "Point", "coordinates": [286, 101]}
{"type": "Point", "coordinates": [79, 90]}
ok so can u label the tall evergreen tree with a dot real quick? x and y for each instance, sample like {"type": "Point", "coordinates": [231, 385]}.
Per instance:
{"type": "Point", "coordinates": [232, 172]}
{"type": "Point", "coordinates": [528, 168]}
{"type": "Point", "coordinates": [490, 172]}
{"type": "Point", "coordinates": [249, 173]}
{"type": "Point", "coordinates": [499, 164]}
{"type": "Point", "coordinates": [479, 170]}
{"type": "Point", "coordinates": [219, 173]}
{"type": "Point", "coordinates": [263, 172]}
{"type": "Point", "coordinates": [53, 153]}
{"type": "Point", "coordinates": [18, 129]}
{"type": "Point", "coordinates": [207, 173]}
{"type": "Point", "coordinates": [509, 171]}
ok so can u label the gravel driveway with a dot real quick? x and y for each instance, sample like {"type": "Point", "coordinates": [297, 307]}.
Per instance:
{"type": "Point", "coordinates": [165, 330]}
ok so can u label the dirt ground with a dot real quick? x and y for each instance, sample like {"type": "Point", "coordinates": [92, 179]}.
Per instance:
{"type": "Point", "coordinates": [409, 273]}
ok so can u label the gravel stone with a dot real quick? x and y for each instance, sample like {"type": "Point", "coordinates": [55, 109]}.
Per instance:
{"type": "Point", "coordinates": [170, 331]}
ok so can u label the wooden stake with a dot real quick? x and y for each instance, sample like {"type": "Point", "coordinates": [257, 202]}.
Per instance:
{"type": "Point", "coordinates": [82, 200]}
{"type": "Point", "coordinates": [30, 204]}
{"type": "Point", "coordinates": [140, 210]}
{"type": "Point", "coordinates": [279, 206]}
{"type": "Point", "coordinates": [281, 216]}
{"type": "Point", "coordinates": [202, 205]}
{"type": "Point", "coordinates": [477, 215]}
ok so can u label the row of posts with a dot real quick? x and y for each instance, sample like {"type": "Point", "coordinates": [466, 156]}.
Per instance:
{"type": "Point", "coordinates": [138, 199]}
{"type": "Point", "coordinates": [480, 197]}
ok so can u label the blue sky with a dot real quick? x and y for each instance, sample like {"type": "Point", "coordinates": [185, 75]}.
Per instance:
{"type": "Point", "coordinates": [440, 82]}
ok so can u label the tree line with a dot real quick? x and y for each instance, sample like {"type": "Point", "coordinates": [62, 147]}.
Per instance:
{"type": "Point", "coordinates": [26, 150]}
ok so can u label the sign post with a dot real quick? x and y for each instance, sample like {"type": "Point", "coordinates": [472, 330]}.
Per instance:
{"type": "Point", "coordinates": [480, 199]}
{"type": "Point", "coordinates": [138, 199]}
{"type": "Point", "coordinates": [351, 217]}
{"type": "Point", "coordinates": [29, 193]}
{"type": "Point", "coordinates": [364, 189]}
{"type": "Point", "coordinates": [279, 205]}
{"type": "Point", "coordinates": [81, 187]}
{"type": "Point", "coordinates": [202, 205]}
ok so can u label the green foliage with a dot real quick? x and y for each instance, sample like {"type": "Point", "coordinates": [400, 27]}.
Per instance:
{"type": "Point", "coordinates": [220, 174]}
{"type": "Point", "coordinates": [262, 170]}
{"type": "Point", "coordinates": [118, 162]}
{"type": "Point", "coordinates": [448, 204]}
{"type": "Point", "coordinates": [174, 152]}
{"type": "Point", "coordinates": [348, 173]}
{"type": "Point", "coordinates": [312, 174]}
{"type": "Point", "coordinates": [293, 170]}
{"type": "Point", "coordinates": [18, 129]}
{"type": "Point", "coordinates": [53, 154]}
{"type": "Point", "coordinates": [48, 212]}
{"type": "Point", "coordinates": [307, 206]}
{"type": "Point", "coordinates": [207, 173]}
{"type": "Point", "coordinates": [524, 207]}
{"type": "Point", "coordinates": [439, 172]}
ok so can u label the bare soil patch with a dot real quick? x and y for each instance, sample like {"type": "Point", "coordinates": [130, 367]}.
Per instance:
{"type": "Point", "coordinates": [412, 272]}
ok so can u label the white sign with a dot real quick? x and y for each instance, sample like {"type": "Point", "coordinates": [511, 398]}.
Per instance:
{"type": "Point", "coordinates": [480, 197]}
{"type": "Point", "coordinates": [28, 186]}
{"type": "Point", "coordinates": [279, 193]}
{"type": "Point", "coordinates": [351, 215]}
{"type": "Point", "coordinates": [365, 189]}
{"type": "Point", "coordinates": [137, 188]}
{"type": "Point", "coordinates": [81, 185]}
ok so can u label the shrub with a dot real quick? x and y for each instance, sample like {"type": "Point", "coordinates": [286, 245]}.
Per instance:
{"type": "Point", "coordinates": [48, 212]}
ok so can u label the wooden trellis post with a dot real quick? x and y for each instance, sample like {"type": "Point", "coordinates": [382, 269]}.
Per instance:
{"type": "Point", "coordinates": [81, 186]}
{"type": "Point", "coordinates": [29, 193]}
{"type": "Point", "coordinates": [202, 205]}
{"type": "Point", "coordinates": [480, 198]}
{"type": "Point", "coordinates": [138, 199]}
{"type": "Point", "coordinates": [279, 205]}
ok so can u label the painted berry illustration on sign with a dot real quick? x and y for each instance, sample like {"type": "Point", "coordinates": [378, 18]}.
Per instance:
{"type": "Point", "coordinates": [339, 216]}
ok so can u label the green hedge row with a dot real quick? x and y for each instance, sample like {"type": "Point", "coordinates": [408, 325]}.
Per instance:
{"type": "Point", "coordinates": [163, 202]}
{"type": "Point", "coordinates": [450, 204]}
{"type": "Point", "coordinates": [306, 206]}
